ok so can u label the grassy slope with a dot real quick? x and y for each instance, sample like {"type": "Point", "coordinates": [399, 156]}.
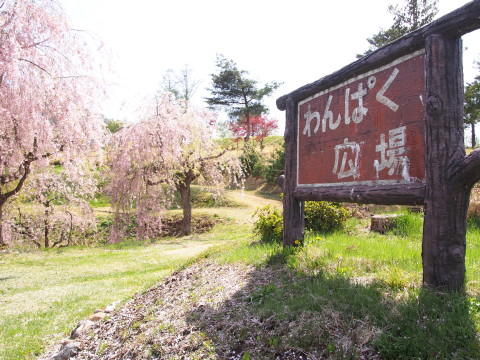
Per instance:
{"type": "Point", "coordinates": [350, 281]}
{"type": "Point", "coordinates": [355, 286]}
{"type": "Point", "coordinates": [45, 293]}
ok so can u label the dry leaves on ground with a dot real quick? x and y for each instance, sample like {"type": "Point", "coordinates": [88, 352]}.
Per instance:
{"type": "Point", "coordinates": [207, 311]}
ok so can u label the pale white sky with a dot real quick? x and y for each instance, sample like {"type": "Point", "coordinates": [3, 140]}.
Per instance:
{"type": "Point", "coordinates": [294, 42]}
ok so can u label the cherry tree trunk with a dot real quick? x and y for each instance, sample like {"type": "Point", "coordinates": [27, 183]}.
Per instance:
{"type": "Point", "coordinates": [46, 224]}
{"type": "Point", "coordinates": [2, 242]}
{"type": "Point", "coordinates": [448, 187]}
{"type": "Point", "coordinates": [186, 226]}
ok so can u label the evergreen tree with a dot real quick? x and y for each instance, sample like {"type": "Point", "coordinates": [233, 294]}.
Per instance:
{"type": "Point", "coordinates": [472, 106]}
{"type": "Point", "coordinates": [411, 16]}
{"type": "Point", "coordinates": [239, 94]}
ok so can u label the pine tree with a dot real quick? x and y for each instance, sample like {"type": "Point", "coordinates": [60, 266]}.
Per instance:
{"type": "Point", "coordinates": [241, 95]}
{"type": "Point", "coordinates": [472, 106]}
{"type": "Point", "coordinates": [411, 16]}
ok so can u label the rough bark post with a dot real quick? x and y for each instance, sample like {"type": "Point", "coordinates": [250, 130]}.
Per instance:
{"type": "Point", "coordinates": [186, 227]}
{"type": "Point", "coordinates": [447, 196]}
{"type": "Point", "coordinates": [293, 212]}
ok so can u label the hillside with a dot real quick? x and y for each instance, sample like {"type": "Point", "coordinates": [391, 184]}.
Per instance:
{"type": "Point", "coordinates": [351, 294]}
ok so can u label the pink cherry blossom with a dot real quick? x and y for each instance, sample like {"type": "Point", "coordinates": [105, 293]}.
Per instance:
{"type": "Point", "coordinates": [47, 98]}
{"type": "Point", "coordinates": [169, 149]}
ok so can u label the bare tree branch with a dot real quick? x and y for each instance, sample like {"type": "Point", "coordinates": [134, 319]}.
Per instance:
{"type": "Point", "coordinates": [36, 65]}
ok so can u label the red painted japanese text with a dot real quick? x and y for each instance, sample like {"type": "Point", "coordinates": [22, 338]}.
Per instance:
{"type": "Point", "coordinates": [368, 130]}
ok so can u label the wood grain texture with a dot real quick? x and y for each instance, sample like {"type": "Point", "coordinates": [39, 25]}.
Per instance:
{"type": "Point", "coordinates": [446, 198]}
{"type": "Point", "coordinates": [454, 24]}
{"type": "Point", "coordinates": [468, 171]}
{"type": "Point", "coordinates": [293, 211]}
{"type": "Point", "coordinates": [387, 195]}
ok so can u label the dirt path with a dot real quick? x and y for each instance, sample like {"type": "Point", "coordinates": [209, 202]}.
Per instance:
{"type": "Point", "coordinates": [248, 202]}
{"type": "Point", "coordinates": [252, 199]}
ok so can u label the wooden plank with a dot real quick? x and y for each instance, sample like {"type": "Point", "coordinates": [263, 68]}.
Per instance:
{"type": "Point", "coordinates": [412, 194]}
{"type": "Point", "coordinates": [455, 24]}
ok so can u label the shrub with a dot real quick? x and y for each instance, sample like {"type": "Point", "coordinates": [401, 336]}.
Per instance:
{"type": "Point", "coordinates": [275, 166]}
{"type": "Point", "coordinates": [269, 224]}
{"type": "Point", "coordinates": [251, 161]}
{"type": "Point", "coordinates": [409, 225]}
{"type": "Point", "coordinates": [114, 125]}
{"type": "Point", "coordinates": [325, 216]}
{"type": "Point", "coordinates": [320, 216]}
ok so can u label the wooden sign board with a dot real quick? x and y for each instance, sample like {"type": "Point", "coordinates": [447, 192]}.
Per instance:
{"type": "Point", "coordinates": [367, 130]}
{"type": "Point", "coordinates": [388, 129]}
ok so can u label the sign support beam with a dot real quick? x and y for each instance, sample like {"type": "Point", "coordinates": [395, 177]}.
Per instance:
{"type": "Point", "coordinates": [446, 198]}
{"type": "Point", "coordinates": [293, 213]}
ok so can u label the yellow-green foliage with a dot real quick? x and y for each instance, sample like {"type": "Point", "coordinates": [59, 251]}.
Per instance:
{"type": "Point", "coordinates": [320, 216]}
{"type": "Point", "coordinates": [325, 216]}
{"type": "Point", "coordinates": [269, 224]}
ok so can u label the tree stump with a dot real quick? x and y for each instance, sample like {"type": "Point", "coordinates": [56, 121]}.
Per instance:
{"type": "Point", "coordinates": [383, 223]}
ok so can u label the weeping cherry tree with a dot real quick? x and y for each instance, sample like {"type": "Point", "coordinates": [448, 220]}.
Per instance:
{"type": "Point", "coordinates": [169, 149]}
{"type": "Point", "coordinates": [45, 92]}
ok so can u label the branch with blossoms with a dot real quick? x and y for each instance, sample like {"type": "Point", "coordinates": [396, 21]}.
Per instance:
{"type": "Point", "coordinates": [21, 174]}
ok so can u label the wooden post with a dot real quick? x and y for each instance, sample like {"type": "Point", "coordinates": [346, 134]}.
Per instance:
{"type": "Point", "coordinates": [447, 192]}
{"type": "Point", "coordinates": [293, 212]}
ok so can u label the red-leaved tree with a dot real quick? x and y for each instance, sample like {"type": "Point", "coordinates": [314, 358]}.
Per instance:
{"type": "Point", "coordinates": [44, 92]}
{"type": "Point", "coordinates": [260, 128]}
{"type": "Point", "coordinates": [167, 150]}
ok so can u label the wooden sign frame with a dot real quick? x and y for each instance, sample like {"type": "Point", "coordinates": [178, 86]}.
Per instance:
{"type": "Point", "coordinates": [449, 174]}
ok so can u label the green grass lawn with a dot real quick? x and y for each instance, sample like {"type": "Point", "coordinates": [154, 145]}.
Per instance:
{"type": "Point", "coordinates": [355, 284]}
{"type": "Point", "coordinates": [347, 282]}
{"type": "Point", "coordinates": [43, 294]}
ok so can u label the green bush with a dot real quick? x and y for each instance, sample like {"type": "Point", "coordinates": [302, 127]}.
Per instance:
{"type": "Point", "coordinates": [269, 224]}
{"type": "Point", "coordinates": [251, 161]}
{"type": "Point", "coordinates": [409, 225]}
{"type": "Point", "coordinates": [325, 216]}
{"type": "Point", "coordinates": [275, 166]}
{"type": "Point", "coordinates": [320, 216]}
{"type": "Point", "coordinates": [114, 125]}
